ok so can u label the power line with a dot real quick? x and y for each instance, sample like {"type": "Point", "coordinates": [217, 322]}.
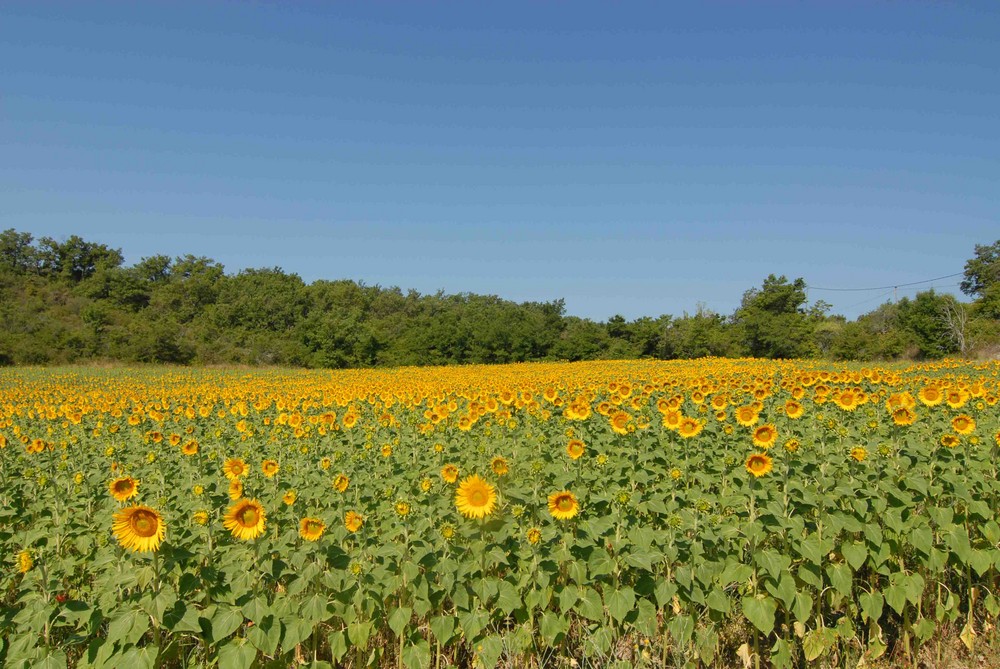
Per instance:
{"type": "Point", "coordinates": [898, 285]}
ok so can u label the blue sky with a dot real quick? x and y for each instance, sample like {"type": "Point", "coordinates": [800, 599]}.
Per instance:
{"type": "Point", "coordinates": [632, 158]}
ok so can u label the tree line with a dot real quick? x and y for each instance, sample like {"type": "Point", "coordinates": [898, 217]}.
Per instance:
{"type": "Point", "coordinates": [75, 301]}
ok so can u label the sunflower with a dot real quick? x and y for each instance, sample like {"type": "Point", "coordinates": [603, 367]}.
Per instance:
{"type": "Point", "coordinates": [690, 427]}
{"type": "Point", "coordinates": [533, 535]}
{"type": "Point", "coordinates": [289, 497]}
{"type": "Point", "coordinates": [672, 419]}
{"type": "Point", "coordinates": [200, 517]}
{"type": "Point", "coordinates": [949, 440]}
{"type": "Point", "coordinates": [341, 482]}
{"type": "Point", "coordinates": [311, 529]}
{"type": "Point", "coordinates": [139, 528]}
{"type": "Point", "coordinates": [325, 463]}
{"type": "Point", "coordinates": [447, 531]}
{"type": "Point", "coordinates": [765, 436]}
{"type": "Point", "coordinates": [353, 521]}
{"type": "Point", "coordinates": [619, 422]}
{"type": "Point", "coordinates": [859, 454]}
{"type": "Point", "coordinates": [792, 445]}
{"type": "Point", "coordinates": [794, 409]}
{"type": "Point", "coordinates": [449, 473]}
{"type": "Point", "coordinates": [500, 466]}
{"type": "Point", "coordinates": [190, 448]}
{"type": "Point", "coordinates": [930, 396]}
{"type": "Point", "coordinates": [269, 467]}
{"type": "Point", "coordinates": [402, 509]}
{"type": "Point", "coordinates": [245, 519]}
{"type": "Point", "coordinates": [963, 424]}
{"type": "Point", "coordinates": [759, 464]}
{"type": "Point", "coordinates": [956, 398]}
{"type": "Point", "coordinates": [475, 498]}
{"type": "Point", "coordinates": [563, 505]}
{"type": "Point", "coordinates": [904, 416]}
{"type": "Point", "coordinates": [575, 449]}
{"type": "Point", "coordinates": [747, 416]}
{"type": "Point", "coordinates": [124, 488]}
{"type": "Point", "coordinates": [234, 468]}
{"type": "Point", "coordinates": [24, 561]}
{"type": "Point", "coordinates": [235, 489]}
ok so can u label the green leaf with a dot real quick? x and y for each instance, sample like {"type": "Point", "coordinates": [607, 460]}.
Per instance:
{"type": "Point", "coordinates": [314, 609]}
{"type": "Point", "coordinates": [718, 601]}
{"type": "Point", "coordinates": [55, 659]}
{"type": "Point", "coordinates": [237, 655]}
{"type": "Point", "coordinates": [552, 627]}
{"type": "Point", "coordinates": [417, 654]}
{"type": "Point", "coordinates": [840, 578]}
{"type": "Point", "coordinates": [871, 605]}
{"type": "Point", "coordinates": [817, 642]}
{"type": "Point", "coordinates": [489, 651]}
{"type": "Point", "coordinates": [922, 539]}
{"type": "Point", "coordinates": [760, 611]}
{"type": "Point", "coordinates": [296, 631]}
{"type": "Point", "coordinates": [508, 598]}
{"type": "Point", "coordinates": [773, 562]}
{"type": "Point", "coordinates": [128, 627]}
{"type": "Point", "coordinates": [443, 628]}
{"type": "Point", "coordinates": [265, 635]}
{"type": "Point", "coordinates": [472, 623]}
{"type": "Point", "coordinates": [338, 644]}
{"type": "Point", "coordinates": [620, 602]}
{"type": "Point", "coordinates": [181, 618]}
{"type": "Point", "coordinates": [895, 596]}
{"type": "Point", "coordinates": [681, 628]}
{"type": "Point", "coordinates": [140, 658]}
{"type": "Point", "coordinates": [358, 632]}
{"type": "Point", "coordinates": [855, 553]}
{"type": "Point", "coordinates": [589, 605]}
{"type": "Point", "coordinates": [225, 622]}
{"type": "Point", "coordinates": [399, 619]}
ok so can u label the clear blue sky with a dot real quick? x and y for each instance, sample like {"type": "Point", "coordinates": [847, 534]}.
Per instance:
{"type": "Point", "coordinates": [631, 158]}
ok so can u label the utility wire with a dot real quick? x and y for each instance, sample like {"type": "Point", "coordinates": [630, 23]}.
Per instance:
{"type": "Point", "coordinates": [898, 285]}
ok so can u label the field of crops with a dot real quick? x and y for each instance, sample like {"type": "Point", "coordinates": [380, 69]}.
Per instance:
{"type": "Point", "coordinates": [690, 513]}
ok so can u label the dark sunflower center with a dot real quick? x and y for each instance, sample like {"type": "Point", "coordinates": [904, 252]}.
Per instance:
{"type": "Point", "coordinates": [564, 503]}
{"type": "Point", "coordinates": [248, 517]}
{"type": "Point", "coordinates": [144, 524]}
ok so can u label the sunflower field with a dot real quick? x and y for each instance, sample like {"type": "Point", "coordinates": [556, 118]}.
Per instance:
{"type": "Point", "coordinates": [661, 514]}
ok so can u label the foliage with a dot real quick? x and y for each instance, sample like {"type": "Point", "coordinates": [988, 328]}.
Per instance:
{"type": "Point", "coordinates": [873, 526]}
{"type": "Point", "coordinates": [75, 301]}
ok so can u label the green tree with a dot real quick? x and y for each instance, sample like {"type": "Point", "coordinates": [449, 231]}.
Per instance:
{"type": "Point", "coordinates": [982, 279]}
{"type": "Point", "coordinates": [772, 320]}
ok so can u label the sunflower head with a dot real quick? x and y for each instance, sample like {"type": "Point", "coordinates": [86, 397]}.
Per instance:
{"type": "Point", "coordinates": [500, 466]}
{"type": "Point", "coordinates": [340, 482]}
{"type": "Point", "coordinates": [859, 453]}
{"type": "Point", "coordinates": [200, 517]}
{"type": "Point", "coordinates": [575, 449]}
{"type": "Point", "coordinates": [190, 448]}
{"type": "Point", "coordinates": [289, 497]}
{"type": "Point", "coordinates": [533, 535]}
{"type": "Point", "coordinates": [24, 561]}
{"type": "Point", "coordinates": [235, 489]}
{"type": "Point", "coordinates": [139, 528]}
{"type": "Point", "coordinates": [311, 529]}
{"type": "Point", "coordinates": [245, 519]}
{"type": "Point", "coordinates": [759, 464]}
{"type": "Point", "coordinates": [353, 521]}
{"type": "Point", "coordinates": [765, 436]}
{"type": "Point", "coordinates": [269, 467]}
{"type": "Point", "coordinates": [475, 498]}
{"type": "Point", "coordinates": [124, 488]}
{"type": "Point", "coordinates": [449, 473]}
{"type": "Point", "coordinates": [563, 505]}
{"type": "Point", "coordinates": [963, 424]}
{"type": "Point", "coordinates": [234, 468]}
